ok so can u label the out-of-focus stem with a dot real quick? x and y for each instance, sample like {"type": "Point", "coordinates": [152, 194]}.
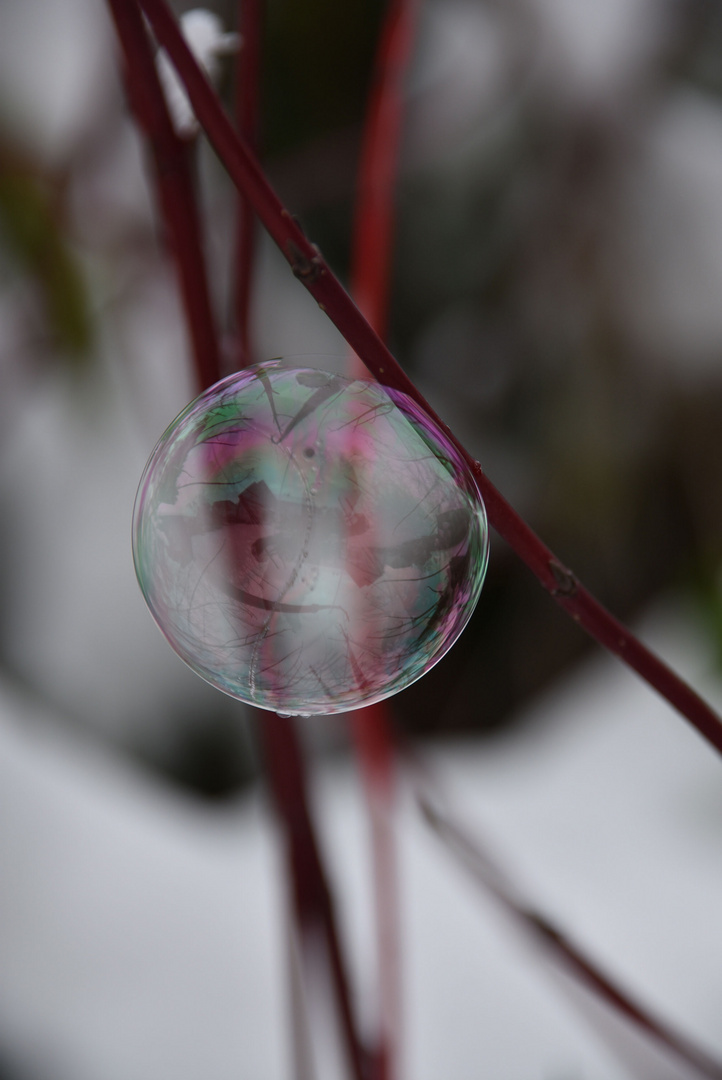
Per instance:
{"type": "Point", "coordinates": [312, 904]}
{"type": "Point", "coordinates": [174, 182]}
{"type": "Point", "coordinates": [374, 217]}
{"type": "Point", "coordinates": [308, 265]}
{"type": "Point", "coordinates": [470, 853]}
{"type": "Point", "coordinates": [311, 894]}
{"type": "Point", "coordinates": [371, 276]}
{"type": "Point", "coordinates": [375, 750]}
{"type": "Point", "coordinates": [248, 123]}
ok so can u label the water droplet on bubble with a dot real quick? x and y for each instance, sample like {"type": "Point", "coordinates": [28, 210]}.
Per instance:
{"type": "Point", "coordinates": [308, 583]}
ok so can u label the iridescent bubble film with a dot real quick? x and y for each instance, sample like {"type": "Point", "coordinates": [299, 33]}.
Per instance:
{"type": "Point", "coordinates": [307, 543]}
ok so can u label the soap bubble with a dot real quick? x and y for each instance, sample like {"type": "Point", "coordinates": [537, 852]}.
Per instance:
{"type": "Point", "coordinates": [308, 543]}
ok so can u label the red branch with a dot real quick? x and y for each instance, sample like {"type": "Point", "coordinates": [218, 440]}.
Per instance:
{"type": "Point", "coordinates": [248, 121]}
{"type": "Point", "coordinates": [308, 265]}
{"type": "Point", "coordinates": [175, 187]}
{"type": "Point", "coordinates": [470, 853]}
{"type": "Point", "coordinates": [370, 275]}
{"type": "Point", "coordinates": [313, 903]}
{"type": "Point", "coordinates": [312, 897]}
{"type": "Point", "coordinates": [373, 233]}
{"type": "Point", "coordinates": [375, 750]}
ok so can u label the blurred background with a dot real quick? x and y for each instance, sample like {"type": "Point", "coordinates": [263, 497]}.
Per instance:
{"type": "Point", "coordinates": [557, 296]}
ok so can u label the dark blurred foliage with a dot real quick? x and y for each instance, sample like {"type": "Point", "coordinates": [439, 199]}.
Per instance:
{"type": "Point", "coordinates": [317, 75]}
{"type": "Point", "coordinates": [32, 237]}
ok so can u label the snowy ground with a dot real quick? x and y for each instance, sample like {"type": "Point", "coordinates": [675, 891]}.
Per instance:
{"type": "Point", "coordinates": [142, 934]}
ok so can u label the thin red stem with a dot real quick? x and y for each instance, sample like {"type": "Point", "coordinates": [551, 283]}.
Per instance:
{"type": "Point", "coordinates": [175, 187]}
{"type": "Point", "coordinates": [300, 1027]}
{"type": "Point", "coordinates": [312, 896]}
{"type": "Point", "coordinates": [374, 220]}
{"type": "Point", "coordinates": [311, 269]}
{"type": "Point", "coordinates": [248, 122]}
{"type": "Point", "coordinates": [469, 852]}
{"type": "Point", "coordinates": [374, 746]}
{"type": "Point", "coordinates": [284, 761]}
{"type": "Point", "coordinates": [371, 275]}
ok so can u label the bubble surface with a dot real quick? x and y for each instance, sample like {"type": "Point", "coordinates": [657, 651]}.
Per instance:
{"type": "Point", "coordinates": [308, 543]}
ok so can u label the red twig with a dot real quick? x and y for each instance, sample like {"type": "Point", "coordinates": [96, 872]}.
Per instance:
{"type": "Point", "coordinates": [312, 897]}
{"type": "Point", "coordinates": [283, 750]}
{"type": "Point", "coordinates": [248, 121]}
{"type": "Point", "coordinates": [284, 760]}
{"type": "Point", "coordinates": [300, 1026]}
{"type": "Point", "coordinates": [175, 187]}
{"type": "Point", "coordinates": [370, 275]}
{"type": "Point", "coordinates": [469, 852]}
{"type": "Point", "coordinates": [375, 751]}
{"type": "Point", "coordinates": [373, 233]}
{"type": "Point", "coordinates": [308, 265]}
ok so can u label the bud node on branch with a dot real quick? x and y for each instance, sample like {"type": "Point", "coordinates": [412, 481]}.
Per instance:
{"type": "Point", "coordinates": [567, 584]}
{"type": "Point", "coordinates": [305, 269]}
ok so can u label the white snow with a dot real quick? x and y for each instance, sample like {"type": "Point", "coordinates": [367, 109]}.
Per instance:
{"type": "Point", "coordinates": [142, 934]}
